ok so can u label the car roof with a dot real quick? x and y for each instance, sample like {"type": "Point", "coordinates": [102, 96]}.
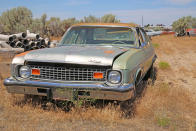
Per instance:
{"type": "Point", "coordinates": [107, 24]}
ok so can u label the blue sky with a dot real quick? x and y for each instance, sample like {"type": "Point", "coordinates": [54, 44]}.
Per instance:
{"type": "Point", "coordinates": [153, 11]}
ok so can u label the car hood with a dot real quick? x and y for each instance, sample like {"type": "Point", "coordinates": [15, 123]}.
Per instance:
{"type": "Point", "coordinates": [88, 55]}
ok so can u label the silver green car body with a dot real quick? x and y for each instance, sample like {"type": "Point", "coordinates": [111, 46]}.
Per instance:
{"type": "Point", "coordinates": [131, 62]}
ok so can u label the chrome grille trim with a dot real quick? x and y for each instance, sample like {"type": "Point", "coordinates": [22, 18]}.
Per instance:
{"type": "Point", "coordinates": [68, 73]}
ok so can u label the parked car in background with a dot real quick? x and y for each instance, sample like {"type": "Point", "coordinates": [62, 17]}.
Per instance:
{"type": "Point", "coordinates": [151, 32]}
{"type": "Point", "coordinates": [100, 61]}
{"type": "Point", "coordinates": [191, 32]}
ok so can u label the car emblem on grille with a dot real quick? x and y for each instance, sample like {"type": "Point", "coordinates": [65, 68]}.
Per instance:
{"type": "Point", "coordinates": [94, 60]}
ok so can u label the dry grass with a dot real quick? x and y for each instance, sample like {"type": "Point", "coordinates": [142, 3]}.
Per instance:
{"type": "Point", "coordinates": [169, 104]}
{"type": "Point", "coordinates": [56, 38]}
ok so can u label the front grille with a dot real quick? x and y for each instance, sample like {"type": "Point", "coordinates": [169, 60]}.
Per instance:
{"type": "Point", "coordinates": [67, 72]}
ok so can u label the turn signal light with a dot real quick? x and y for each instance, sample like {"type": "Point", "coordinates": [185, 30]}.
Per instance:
{"type": "Point", "coordinates": [98, 75]}
{"type": "Point", "coordinates": [35, 72]}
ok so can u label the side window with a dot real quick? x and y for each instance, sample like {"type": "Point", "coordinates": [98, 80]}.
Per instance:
{"type": "Point", "coordinates": [145, 37]}
{"type": "Point", "coordinates": [140, 37]}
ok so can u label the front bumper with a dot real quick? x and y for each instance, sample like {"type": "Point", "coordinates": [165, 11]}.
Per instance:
{"type": "Point", "coordinates": [70, 91]}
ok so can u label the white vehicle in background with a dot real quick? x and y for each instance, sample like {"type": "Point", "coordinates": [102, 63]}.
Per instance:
{"type": "Point", "coordinates": [151, 32]}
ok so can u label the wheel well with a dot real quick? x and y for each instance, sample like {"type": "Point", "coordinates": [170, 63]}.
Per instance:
{"type": "Point", "coordinates": [138, 76]}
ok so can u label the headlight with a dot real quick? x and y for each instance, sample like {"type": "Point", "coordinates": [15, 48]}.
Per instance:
{"type": "Point", "coordinates": [114, 77]}
{"type": "Point", "coordinates": [24, 72]}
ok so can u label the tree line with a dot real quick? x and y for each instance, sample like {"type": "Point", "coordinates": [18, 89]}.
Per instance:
{"type": "Point", "coordinates": [21, 19]}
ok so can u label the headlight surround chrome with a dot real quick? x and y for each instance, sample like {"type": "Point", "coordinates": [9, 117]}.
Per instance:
{"type": "Point", "coordinates": [24, 72]}
{"type": "Point", "coordinates": [114, 77]}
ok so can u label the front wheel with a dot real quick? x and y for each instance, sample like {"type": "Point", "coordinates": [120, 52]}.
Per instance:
{"type": "Point", "coordinates": [151, 74]}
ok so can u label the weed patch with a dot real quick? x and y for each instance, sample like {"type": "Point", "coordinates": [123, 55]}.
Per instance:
{"type": "Point", "coordinates": [155, 45]}
{"type": "Point", "coordinates": [164, 65]}
{"type": "Point", "coordinates": [163, 121]}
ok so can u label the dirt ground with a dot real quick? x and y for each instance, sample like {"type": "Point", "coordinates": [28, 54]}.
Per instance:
{"type": "Point", "coordinates": [169, 104]}
{"type": "Point", "coordinates": [180, 53]}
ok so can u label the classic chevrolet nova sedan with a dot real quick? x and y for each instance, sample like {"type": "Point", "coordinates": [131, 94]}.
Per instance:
{"type": "Point", "coordinates": [99, 61]}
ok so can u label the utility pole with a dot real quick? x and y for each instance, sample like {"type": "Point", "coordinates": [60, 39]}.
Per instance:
{"type": "Point", "coordinates": [142, 21]}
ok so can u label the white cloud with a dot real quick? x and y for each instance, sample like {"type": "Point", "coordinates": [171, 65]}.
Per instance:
{"type": "Point", "coordinates": [180, 1]}
{"type": "Point", "coordinates": [153, 16]}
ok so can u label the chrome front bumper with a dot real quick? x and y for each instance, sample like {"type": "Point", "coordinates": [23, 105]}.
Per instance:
{"type": "Point", "coordinates": [70, 91]}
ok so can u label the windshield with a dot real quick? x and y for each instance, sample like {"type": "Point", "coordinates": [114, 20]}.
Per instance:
{"type": "Point", "coordinates": [99, 35]}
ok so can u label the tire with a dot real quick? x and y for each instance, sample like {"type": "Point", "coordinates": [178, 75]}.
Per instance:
{"type": "Point", "coordinates": [150, 75]}
{"type": "Point", "coordinates": [28, 97]}
{"type": "Point", "coordinates": [33, 99]}
{"type": "Point", "coordinates": [128, 107]}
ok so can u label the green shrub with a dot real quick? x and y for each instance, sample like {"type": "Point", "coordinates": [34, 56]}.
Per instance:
{"type": "Point", "coordinates": [164, 65]}
{"type": "Point", "coordinates": [163, 121]}
{"type": "Point", "coordinates": [155, 45]}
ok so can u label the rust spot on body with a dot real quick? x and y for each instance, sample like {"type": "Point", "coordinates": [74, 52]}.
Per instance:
{"type": "Point", "coordinates": [109, 51]}
{"type": "Point", "coordinates": [22, 54]}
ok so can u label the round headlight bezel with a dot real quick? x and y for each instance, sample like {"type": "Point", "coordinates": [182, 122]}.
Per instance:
{"type": "Point", "coordinates": [24, 72]}
{"type": "Point", "coordinates": [118, 78]}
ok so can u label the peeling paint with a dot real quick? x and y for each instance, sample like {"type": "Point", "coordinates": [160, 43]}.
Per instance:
{"type": "Point", "coordinates": [109, 51]}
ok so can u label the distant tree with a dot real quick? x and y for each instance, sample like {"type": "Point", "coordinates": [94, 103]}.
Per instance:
{"type": "Point", "coordinates": [1, 27]}
{"type": "Point", "coordinates": [90, 19]}
{"type": "Point", "coordinates": [16, 20]}
{"type": "Point", "coordinates": [109, 18]}
{"type": "Point", "coordinates": [148, 25]}
{"type": "Point", "coordinates": [43, 21]}
{"type": "Point", "coordinates": [54, 26]}
{"type": "Point", "coordinates": [36, 26]}
{"type": "Point", "coordinates": [194, 23]}
{"type": "Point", "coordinates": [65, 24]}
{"type": "Point", "coordinates": [182, 24]}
